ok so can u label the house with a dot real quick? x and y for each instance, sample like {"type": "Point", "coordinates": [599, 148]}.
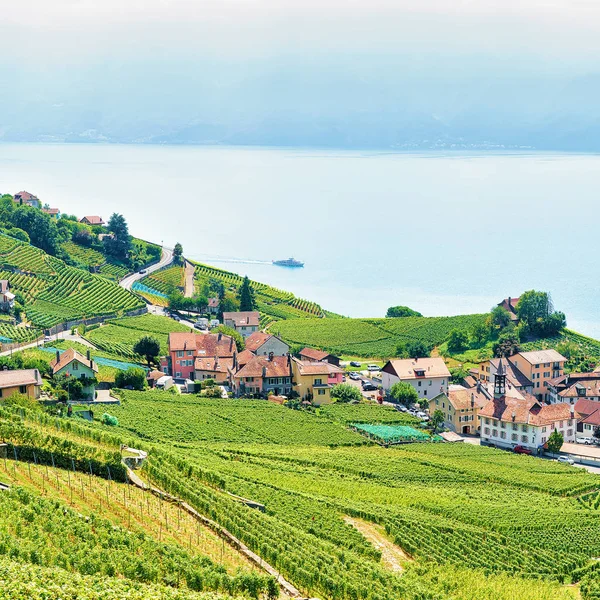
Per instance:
{"type": "Point", "coordinates": [514, 377]}
{"type": "Point", "coordinates": [73, 364]}
{"type": "Point", "coordinates": [213, 368]}
{"type": "Point", "coordinates": [260, 343]}
{"type": "Point", "coordinates": [507, 421]}
{"type": "Point", "coordinates": [27, 199]}
{"type": "Point", "coordinates": [461, 407]}
{"type": "Point", "coordinates": [92, 220]}
{"type": "Point", "coordinates": [264, 374]}
{"type": "Point", "coordinates": [510, 305]}
{"type": "Point", "coordinates": [20, 381]}
{"type": "Point", "coordinates": [313, 355]}
{"type": "Point", "coordinates": [429, 376]}
{"type": "Point", "coordinates": [313, 380]}
{"type": "Point", "coordinates": [7, 298]}
{"type": "Point", "coordinates": [569, 388]}
{"type": "Point", "coordinates": [213, 306]}
{"type": "Point", "coordinates": [53, 213]}
{"type": "Point", "coordinates": [245, 323]}
{"type": "Point", "coordinates": [588, 417]}
{"type": "Point", "coordinates": [539, 366]}
{"type": "Point", "coordinates": [152, 377]}
{"type": "Point", "coordinates": [184, 348]}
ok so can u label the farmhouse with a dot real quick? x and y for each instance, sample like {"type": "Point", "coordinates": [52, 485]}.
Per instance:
{"type": "Point", "coordinates": [27, 199]}
{"type": "Point", "coordinates": [92, 220]}
{"type": "Point", "coordinates": [510, 305]}
{"type": "Point", "coordinates": [264, 374]}
{"type": "Point", "coordinates": [506, 421]}
{"type": "Point", "coordinates": [245, 323]}
{"type": "Point", "coordinates": [73, 364]}
{"type": "Point", "coordinates": [429, 376]}
{"type": "Point", "coordinates": [7, 298]}
{"type": "Point", "coordinates": [53, 213]}
{"type": "Point", "coordinates": [185, 348]}
{"type": "Point", "coordinates": [313, 380]}
{"type": "Point", "coordinates": [311, 354]}
{"type": "Point", "coordinates": [461, 408]}
{"type": "Point", "coordinates": [539, 366]}
{"type": "Point", "coordinates": [260, 343]}
{"type": "Point", "coordinates": [21, 381]}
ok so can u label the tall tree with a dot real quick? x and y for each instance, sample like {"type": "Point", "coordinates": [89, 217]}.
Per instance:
{"type": "Point", "coordinates": [401, 311]}
{"type": "Point", "coordinates": [119, 245]}
{"type": "Point", "coordinates": [246, 296]}
{"type": "Point", "coordinates": [404, 393]}
{"type": "Point", "coordinates": [148, 347]}
{"type": "Point", "coordinates": [437, 420]}
{"type": "Point", "coordinates": [555, 442]}
{"type": "Point", "coordinates": [178, 253]}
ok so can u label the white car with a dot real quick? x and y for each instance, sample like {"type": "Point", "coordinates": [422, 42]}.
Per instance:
{"type": "Point", "coordinates": [47, 338]}
{"type": "Point", "coordinates": [373, 368]}
{"type": "Point", "coordinates": [588, 441]}
{"type": "Point", "coordinates": [566, 460]}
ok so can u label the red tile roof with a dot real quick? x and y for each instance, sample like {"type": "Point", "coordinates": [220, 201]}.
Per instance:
{"type": "Point", "coordinates": [25, 196]}
{"type": "Point", "coordinates": [316, 368]}
{"type": "Point", "coordinates": [248, 318]}
{"type": "Point", "coordinates": [214, 365]}
{"type": "Point", "coordinates": [20, 377]}
{"type": "Point", "coordinates": [213, 303]}
{"type": "Point", "coordinates": [313, 354]}
{"type": "Point", "coordinates": [256, 340]}
{"type": "Point", "coordinates": [278, 366]}
{"type": "Point", "coordinates": [67, 357]}
{"type": "Point", "coordinates": [527, 411]}
{"type": "Point", "coordinates": [92, 220]}
{"type": "Point", "coordinates": [409, 368]}
{"type": "Point", "coordinates": [461, 399]}
{"type": "Point", "coordinates": [203, 344]}
{"type": "Point", "coordinates": [50, 211]}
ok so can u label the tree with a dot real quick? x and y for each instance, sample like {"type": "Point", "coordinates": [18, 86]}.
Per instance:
{"type": "Point", "coordinates": [148, 347]}
{"type": "Point", "coordinates": [506, 345]}
{"type": "Point", "coordinates": [109, 420]}
{"type": "Point", "coordinates": [458, 341]}
{"type": "Point", "coordinates": [133, 377]}
{"type": "Point", "coordinates": [536, 312]}
{"type": "Point", "coordinates": [555, 442]}
{"type": "Point", "coordinates": [500, 317]}
{"type": "Point", "coordinates": [119, 245]}
{"type": "Point", "coordinates": [344, 392]}
{"type": "Point", "coordinates": [404, 393]}
{"type": "Point", "coordinates": [458, 374]}
{"type": "Point", "coordinates": [401, 311]}
{"type": "Point", "coordinates": [246, 296]}
{"type": "Point", "coordinates": [479, 334]}
{"type": "Point", "coordinates": [437, 420]}
{"type": "Point", "coordinates": [178, 253]}
{"type": "Point", "coordinates": [413, 349]}
{"type": "Point", "coordinates": [239, 340]}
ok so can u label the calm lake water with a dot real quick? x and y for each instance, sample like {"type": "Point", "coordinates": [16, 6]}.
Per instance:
{"type": "Point", "coordinates": [445, 233]}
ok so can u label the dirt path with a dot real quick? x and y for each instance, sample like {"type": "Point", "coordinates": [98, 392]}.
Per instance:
{"type": "Point", "coordinates": [189, 279]}
{"type": "Point", "coordinates": [392, 556]}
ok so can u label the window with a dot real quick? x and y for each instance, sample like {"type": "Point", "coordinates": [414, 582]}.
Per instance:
{"type": "Point", "coordinates": [544, 429]}
{"type": "Point", "coordinates": [425, 393]}
{"type": "Point", "coordinates": [487, 421]}
{"type": "Point", "coordinates": [486, 431]}
{"type": "Point", "coordinates": [503, 435]}
{"type": "Point", "coordinates": [190, 353]}
{"type": "Point", "coordinates": [430, 382]}
{"type": "Point", "coordinates": [495, 432]}
{"type": "Point", "coordinates": [561, 424]}
{"type": "Point", "coordinates": [321, 392]}
{"type": "Point", "coordinates": [75, 366]}
{"type": "Point", "coordinates": [178, 374]}
{"type": "Point", "coordinates": [23, 389]}
{"type": "Point", "coordinates": [179, 353]}
{"type": "Point", "coordinates": [537, 366]}
{"type": "Point", "coordinates": [524, 439]}
{"type": "Point", "coordinates": [318, 381]}
{"type": "Point", "coordinates": [420, 382]}
{"type": "Point", "coordinates": [514, 437]}
{"type": "Point", "coordinates": [515, 427]}
{"type": "Point", "coordinates": [543, 440]}
{"type": "Point", "coordinates": [570, 422]}
{"type": "Point", "coordinates": [537, 385]}
{"type": "Point", "coordinates": [503, 425]}
{"type": "Point", "coordinates": [524, 427]}
{"type": "Point", "coordinates": [569, 432]}
{"type": "Point", "coordinates": [443, 405]}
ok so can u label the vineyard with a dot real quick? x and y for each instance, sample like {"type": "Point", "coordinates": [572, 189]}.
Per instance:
{"type": "Point", "coordinates": [120, 335]}
{"type": "Point", "coordinates": [55, 292]}
{"type": "Point", "coordinates": [166, 280]}
{"type": "Point", "coordinates": [370, 337]}
{"type": "Point", "coordinates": [273, 304]}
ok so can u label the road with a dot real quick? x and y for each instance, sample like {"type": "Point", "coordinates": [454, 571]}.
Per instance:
{"type": "Point", "coordinates": [189, 279]}
{"type": "Point", "coordinates": [165, 259]}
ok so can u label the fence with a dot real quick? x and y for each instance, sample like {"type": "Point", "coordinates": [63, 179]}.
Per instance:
{"type": "Point", "coordinates": [13, 346]}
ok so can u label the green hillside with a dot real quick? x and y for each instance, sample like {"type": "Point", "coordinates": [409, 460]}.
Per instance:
{"type": "Point", "coordinates": [55, 292]}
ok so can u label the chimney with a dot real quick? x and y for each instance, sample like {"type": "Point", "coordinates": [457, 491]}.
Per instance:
{"type": "Point", "coordinates": [264, 372]}
{"type": "Point", "coordinates": [271, 356]}
{"type": "Point", "coordinates": [472, 400]}
{"type": "Point", "coordinates": [57, 356]}
{"type": "Point", "coordinates": [219, 337]}
{"type": "Point", "coordinates": [514, 416]}
{"type": "Point", "coordinates": [572, 411]}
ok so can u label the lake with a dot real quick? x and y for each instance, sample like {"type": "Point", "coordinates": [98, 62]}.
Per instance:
{"type": "Point", "coordinates": [444, 233]}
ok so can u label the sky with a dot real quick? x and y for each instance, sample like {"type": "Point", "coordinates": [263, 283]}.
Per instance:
{"type": "Point", "coordinates": [244, 69]}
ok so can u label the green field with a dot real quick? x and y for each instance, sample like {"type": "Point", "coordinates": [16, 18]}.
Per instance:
{"type": "Point", "coordinates": [370, 337]}
{"type": "Point", "coordinates": [366, 413]}
{"type": "Point", "coordinates": [120, 335]}
{"type": "Point", "coordinates": [166, 280]}
{"type": "Point", "coordinates": [55, 292]}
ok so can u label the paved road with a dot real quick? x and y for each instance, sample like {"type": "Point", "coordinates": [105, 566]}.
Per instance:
{"type": "Point", "coordinates": [165, 259]}
{"type": "Point", "coordinates": [189, 279]}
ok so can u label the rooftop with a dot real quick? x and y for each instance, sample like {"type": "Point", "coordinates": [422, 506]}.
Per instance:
{"type": "Point", "coordinates": [256, 340]}
{"type": "Point", "coordinates": [527, 411]}
{"type": "Point", "coordinates": [10, 379]}
{"type": "Point", "coordinates": [314, 354]}
{"type": "Point", "coordinates": [413, 368]}
{"type": "Point", "coordinates": [67, 357]}
{"type": "Point", "coordinates": [248, 318]}
{"type": "Point", "coordinates": [259, 366]}
{"type": "Point", "coordinates": [541, 356]}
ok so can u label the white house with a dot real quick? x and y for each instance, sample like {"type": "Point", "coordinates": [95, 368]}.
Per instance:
{"type": "Point", "coordinates": [429, 376]}
{"type": "Point", "coordinates": [245, 323]}
{"type": "Point", "coordinates": [508, 421]}
{"type": "Point", "coordinates": [263, 344]}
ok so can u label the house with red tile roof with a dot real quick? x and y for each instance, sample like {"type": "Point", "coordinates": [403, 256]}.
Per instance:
{"type": "Point", "coordinates": [7, 298]}
{"type": "Point", "coordinates": [262, 344]}
{"type": "Point", "coordinates": [213, 306]}
{"type": "Point", "coordinates": [507, 421]}
{"type": "Point", "coordinates": [510, 304]}
{"type": "Point", "coordinates": [429, 376]}
{"type": "Point", "coordinates": [53, 213]}
{"type": "Point", "coordinates": [20, 381]}
{"type": "Point", "coordinates": [572, 386]}
{"type": "Point", "coordinates": [27, 199]}
{"type": "Point", "coordinates": [461, 407]}
{"type": "Point", "coordinates": [92, 220]}
{"type": "Point", "coordinates": [245, 323]}
{"type": "Point", "coordinates": [314, 380]}
{"type": "Point", "coordinates": [185, 348]}
{"type": "Point", "coordinates": [74, 364]}
{"type": "Point", "coordinates": [311, 354]}
{"type": "Point", "coordinates": [263, 375]}
{"type": "Point", "coordinates": [588, 417]}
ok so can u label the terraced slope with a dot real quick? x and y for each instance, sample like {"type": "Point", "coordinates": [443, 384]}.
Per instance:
{"type": "Point", "coordinates": [55, 292]}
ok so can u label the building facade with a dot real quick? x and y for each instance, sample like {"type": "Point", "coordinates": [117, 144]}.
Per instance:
{"type": "Point", "coordinates": [185, 348]}
{"type": "Point", "coordinates": [245, 323]}
{"type": "Point", "coordinates": [263, 344]}
{"type": "Point", "coordinates": [461, 408]}
{"type": "Point", "coordinates": [73, 364]}
{"type": "Point", "coordinates": [540, 366]}
{"type": "Point", "coordinates": [20, 381]}
{"type": "Point", "coordinates": [314, 381]}
{"type": "Point", "coordinates": [263, 375]}
{"type": "Point", "coordinates": [429, 376]}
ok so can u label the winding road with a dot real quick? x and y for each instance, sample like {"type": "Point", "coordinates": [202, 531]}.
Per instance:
{"type": "Point", "coordinates": [165, 259]}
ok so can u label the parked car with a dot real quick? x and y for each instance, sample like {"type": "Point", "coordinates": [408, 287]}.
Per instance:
{"type": "Point", "coordinates": [143, 271]}
{"type": "Point", "coordinates": [521, 450]}
{"type": "Point", "coordinates": [588, 441]}
{"type": "Point", "coordinates": [201, 326]}
{"type": "Point", "coordinates": [566, 460]}
{"type": "Point", "coordinates": [369, 387]}
{"type": "Point", "coordinates": [354, 363]}
{"type": "Point", "coordinates": [402, 408]}
{"type": "Point", "coordinates": [423, 416]}
{"type": "Point", "coordinates": [354, 376]}
{"type": "Point", "coordinates": [47, 338]}
{"type": "Point", "coordinates": [373, 368]}
{"type": "Point", "coordinates": [176, 317]}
